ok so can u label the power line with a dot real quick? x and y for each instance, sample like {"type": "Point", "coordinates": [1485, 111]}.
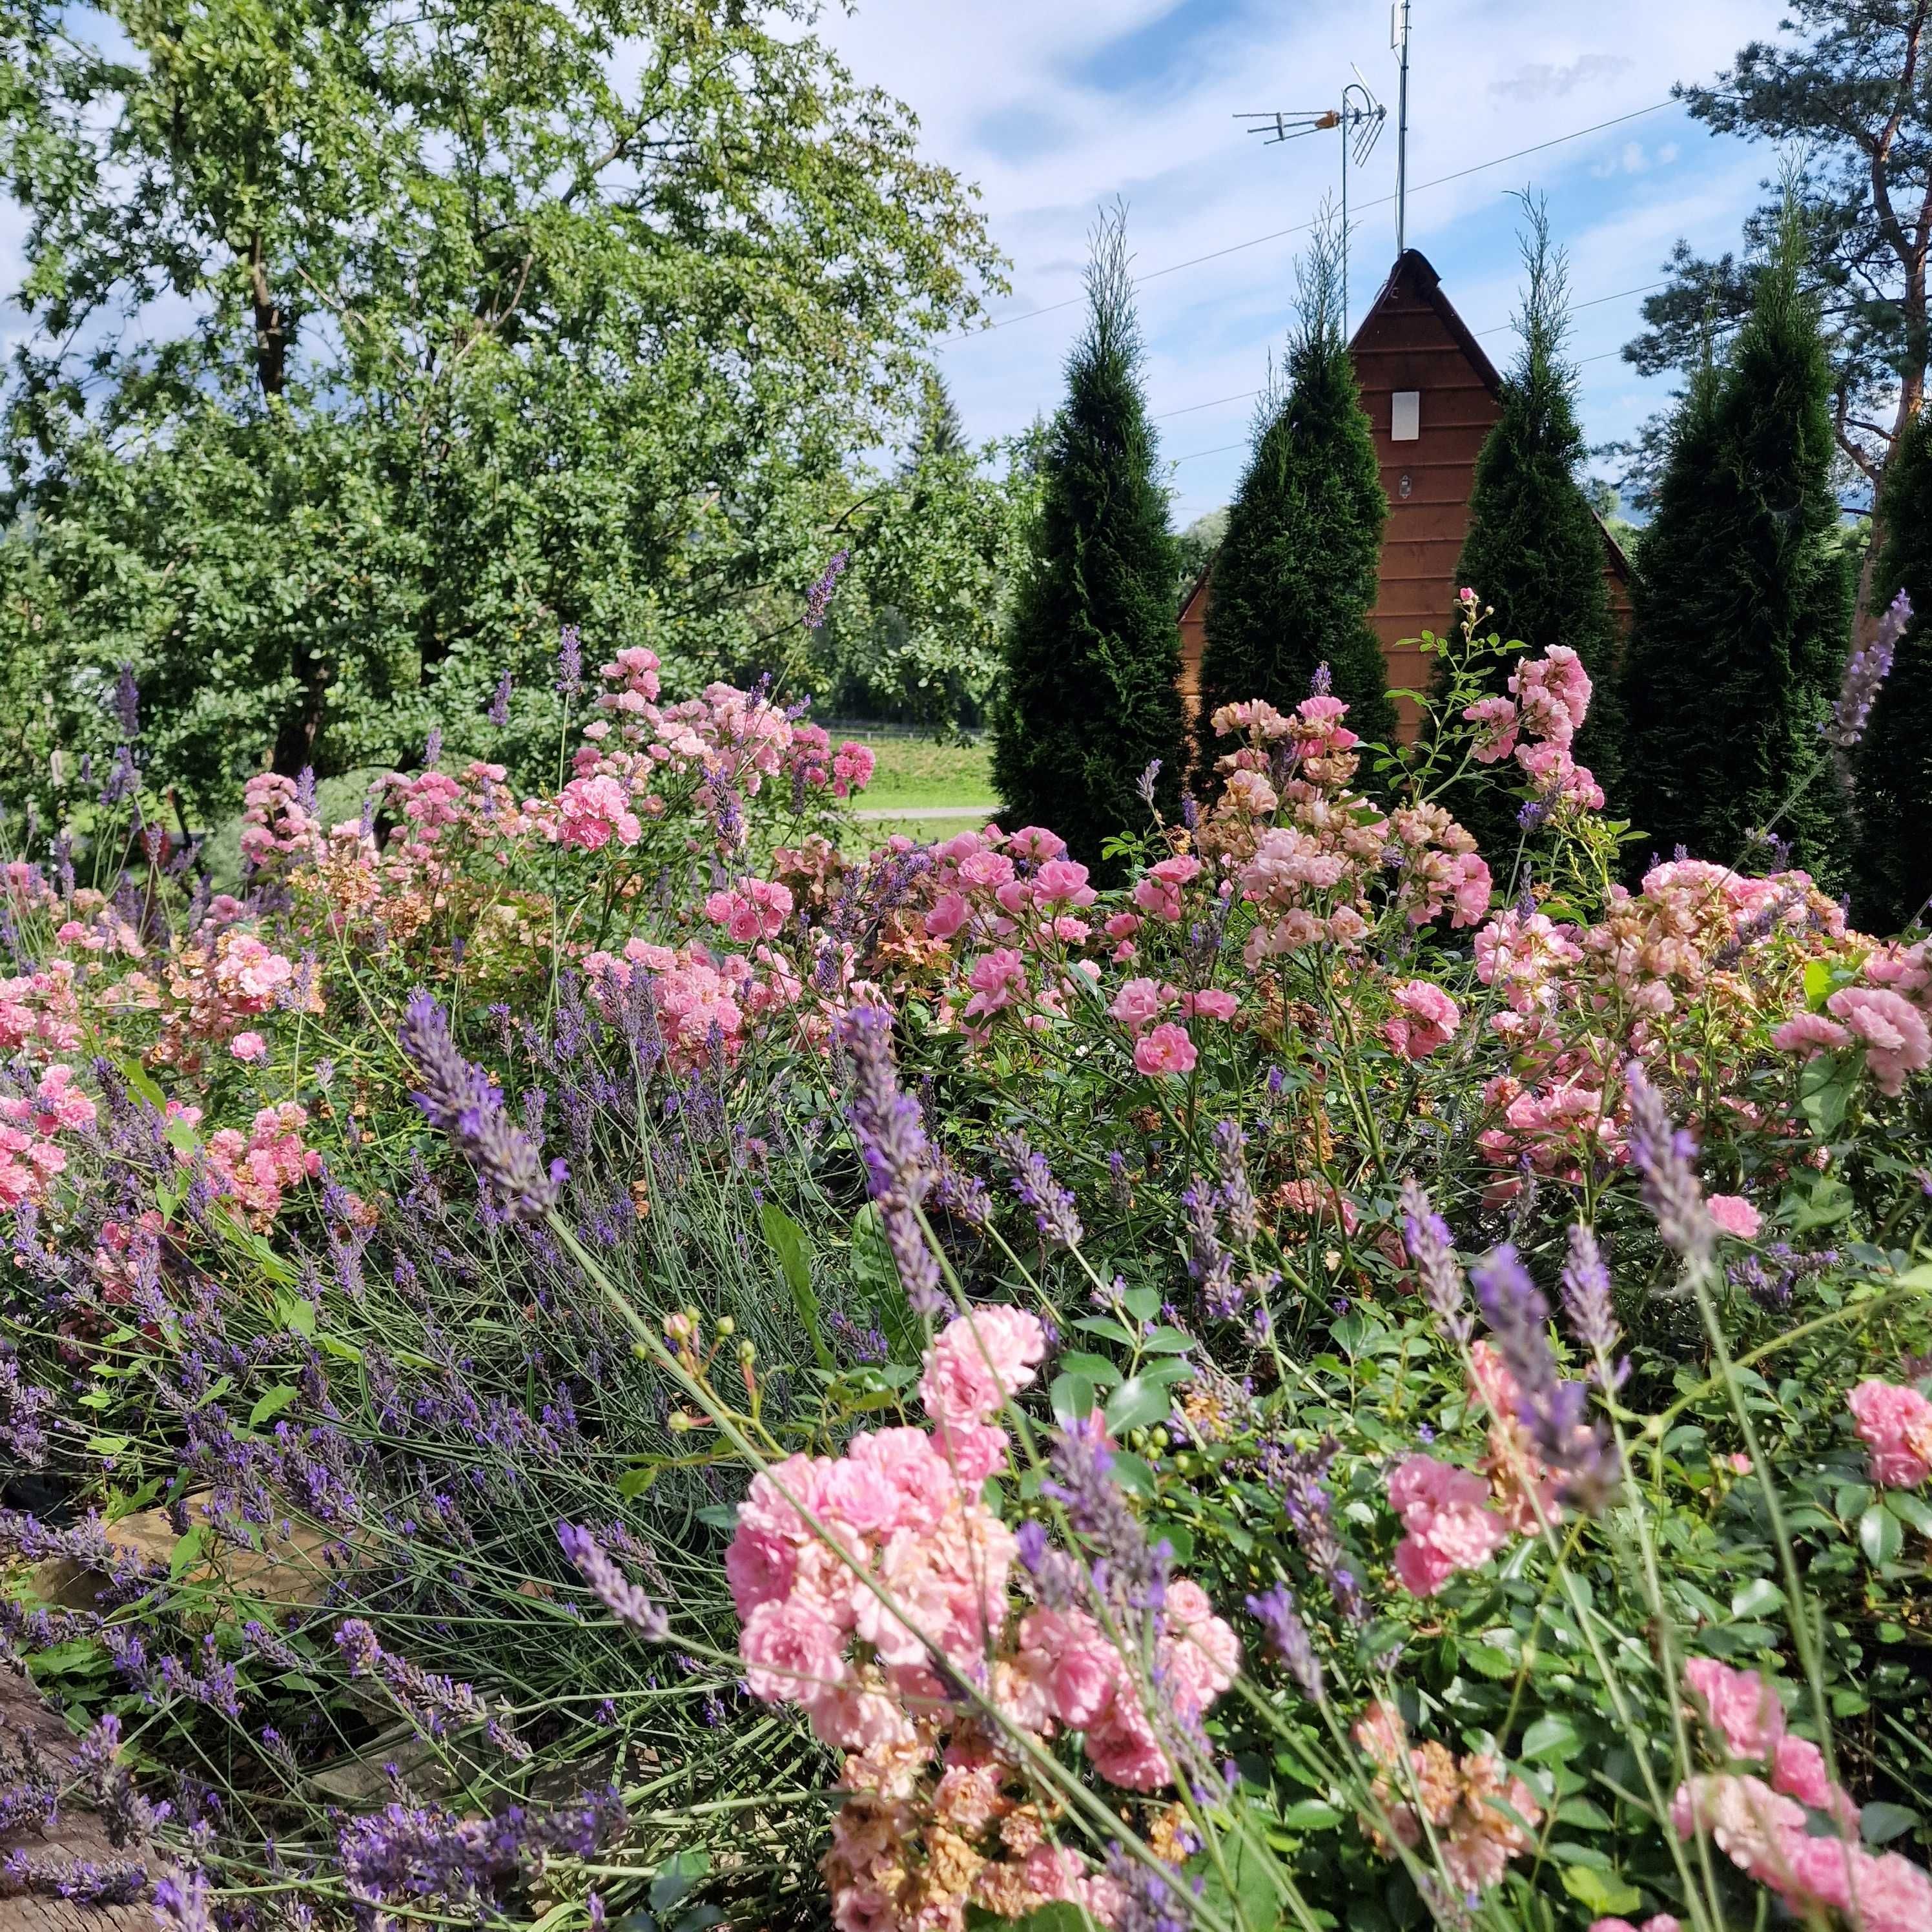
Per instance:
{"type": "Point", "coordinates": [1220, 450]}
{"type": "Point", "coordinates": [1245, 395]}
{"type": "Point", "coordinates": [1303, 227]}
{"type": "Point", "coordinates": [1595, 302]}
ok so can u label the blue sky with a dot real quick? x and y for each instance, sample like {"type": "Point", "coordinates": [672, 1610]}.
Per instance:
{"type": "Point", "coordinates": [1052, 106]}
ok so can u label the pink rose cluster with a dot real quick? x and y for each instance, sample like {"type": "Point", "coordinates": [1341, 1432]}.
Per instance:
{"type": "Point", "coordinates": [843, 1617]}
{"type": "Point", "coordinates": [813, 765]}
{"type": "Point", "coordinates": [1157, 891]}
{"type": "Point", "coordinates": [219, 984]}
{"type": "Point", "coordinates": [1887, 1022]}
{"type": "Point", "coordinates": [1895, 1424]}
{"type": "Point", "coordinates": [40, 1012]}
{"type": "Point", "coordinates": [752, 910]}
{"type": "Point", "coordinates": [696, 993]}
{"type": "Point", "coordinates": [1074, 1676]}
{"type": "Point", "coordinates": [1798, 1831]}
{"type": "Point", "coordinates": [30, 1128]}
{"type": "Point", "coordinates": [592, 811]}
{"type": "Point", "coordinates": [1549, 697]}
{"type": "Point", "coordinates": [1580, 1000]}
{"type": "Point", "coordinates": [900, 1508]}
{"type": "Point", "coordinates": [1447, 1523]}
{"type": "Point", "coordinates": [255, 1169]}
{"type": "Point", "coordinates": [1313, 874]}
{"type": "Point", "coordinates": [1427, 1018]}
{"type": "Point", "coordinates": [277, 823]}
{"type": "Point", "coordinates": [995, 885]}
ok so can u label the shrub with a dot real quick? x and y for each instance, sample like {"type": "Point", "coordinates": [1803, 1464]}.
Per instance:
{"type": "Point", "coordinates": [1891, 870]}
{"type": "Point", "coordinates": [1744, 606]}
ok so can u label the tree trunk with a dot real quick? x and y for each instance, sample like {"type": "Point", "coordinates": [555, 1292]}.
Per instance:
{"type": "Point", "coordinates": [271, 324]}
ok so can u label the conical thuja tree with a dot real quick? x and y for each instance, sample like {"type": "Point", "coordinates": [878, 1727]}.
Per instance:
{"type": "Point", "coordinates": [1675, 595]}
{"type": "Point", "coordinates": [1744, 600]}
{"type": "Point", "coordinates": [1535, 549]}
{"type": "Point", "coordinates": [1093, 652]}
{"type": "Point", "coordinates": [1891, 867]}
{"type": "Point", "coordinates": [1295, 576]}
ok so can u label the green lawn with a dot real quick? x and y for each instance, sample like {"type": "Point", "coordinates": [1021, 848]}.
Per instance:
{"type": "Point", "coordinates": [926, 790]}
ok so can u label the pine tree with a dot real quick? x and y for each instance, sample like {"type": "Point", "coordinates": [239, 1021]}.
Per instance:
{"type": "Point", "coordinates": [1093, 652]}
{"type": "Point", "coordinates": [1891, 869]}
{"type": "Point", "coordinates": [1296, 574]}
{"type": "Point", "coordinates": [1744, 600]}
{"type": "Point", "coordinates": [1535, 550]}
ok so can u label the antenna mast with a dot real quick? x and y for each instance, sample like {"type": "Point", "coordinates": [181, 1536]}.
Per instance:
{"type": "Point", "coordinates": [1399, 41]}
{"type": "Point", "coordinates": [1360, 118]}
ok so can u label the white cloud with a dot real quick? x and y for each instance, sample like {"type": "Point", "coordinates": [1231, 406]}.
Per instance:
{"type": "Point", "coordinates": [1014, 95]}
{"type": "Point", "coordinates": [1542, 81]}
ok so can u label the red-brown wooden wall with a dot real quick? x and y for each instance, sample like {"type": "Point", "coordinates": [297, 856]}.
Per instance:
{"type": "Point", "coordinates": [1411, 338]}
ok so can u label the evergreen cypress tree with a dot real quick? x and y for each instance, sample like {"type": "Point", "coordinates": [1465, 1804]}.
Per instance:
{"type": "Point", "coordinates": [1891, 869]}
{"type": "Point", "coordinates": [1675, 595]}
{"type": "Point", "coordinates": [1093, 652]}
{"type": "Point", "coordinates": [1295, 576]}
{"type": "Point", "coordinates": [1744, 600]}
{"type": "Point", "coordinates": [1535, 549]}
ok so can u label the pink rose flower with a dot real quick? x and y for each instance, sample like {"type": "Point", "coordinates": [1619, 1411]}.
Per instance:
{"type": "Point", "coordinates": [978, 1361]}
{"type": "Point", "coordinates": [1214, 1003]}
{"type": "Point", "coordinates": [1428, 1019]}
{"type": "Point", "coordinates": [791, 1653]}
{"type": "Point", "coordinates": [1798, 1771]}
{"type": "Point", "coordinates": [1742, 1707]}
{"type": "Point", "coordinates": [1080, 1667]}
{"type": "Point", "coordinates": [1810, 1034]}
{"type": "Point", "coordinates": [1167, 1049]}
{"type": "Point", "coordinates": [1895, 1424]}
{"type": "Point", "coordinates": [759, 1568]}
{"type": "Point", "coordinates": [249, 1046]}
{"type": "Point", "coordinates": [1890, 1028]}
{"type": "Point", "coordinates": [1063, 881]}
{"type": "Point", "coordinates": [947, 916]}
{"type": "Point", "coordinates": [1139, 1002]}
{"type": "Point", "coordinates": [1735, 1215]}
{"type": "Point", "coordinates": [1450, 1527]}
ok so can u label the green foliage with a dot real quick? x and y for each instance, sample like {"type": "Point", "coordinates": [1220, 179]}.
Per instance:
{"type": "Point", "coordinates": [1296, 576]}
{"type": "Point", "coordinates": [914, 633]}
{"type": "Point", "coordinates": [1891, 867]}
{"type": "Point", "coordinates": [1743, 600]}
{"type": "Point", "coordinates": [1847, 90]}
{"type": "Point", "coordinates": [547, 313]}
{"type": "Point", "coordinates": [1196, 545]}
{"type": "Point", "coordinates": [1535, 551]}
{"type": "Point", "coordinates": [1092, 650]}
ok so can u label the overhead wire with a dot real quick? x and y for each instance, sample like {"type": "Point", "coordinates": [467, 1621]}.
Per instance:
{"type": "Point", "coordinates": [1248, 395]}
{"type": "Point", "coordinates": [1303, 227]}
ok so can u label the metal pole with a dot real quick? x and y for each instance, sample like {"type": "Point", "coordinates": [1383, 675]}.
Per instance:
{"type": "Point", "coordinates": [1344, 214]}
{"type": "Point", "coordinates": [1402, 140]}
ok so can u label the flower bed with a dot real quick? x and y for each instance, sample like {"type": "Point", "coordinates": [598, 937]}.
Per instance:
{"type": "Point", "coordinates": [588, 1353]}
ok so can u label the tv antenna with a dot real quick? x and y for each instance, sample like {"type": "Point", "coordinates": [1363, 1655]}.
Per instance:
{"type": "Point", "coordinates": [1360, 118]}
